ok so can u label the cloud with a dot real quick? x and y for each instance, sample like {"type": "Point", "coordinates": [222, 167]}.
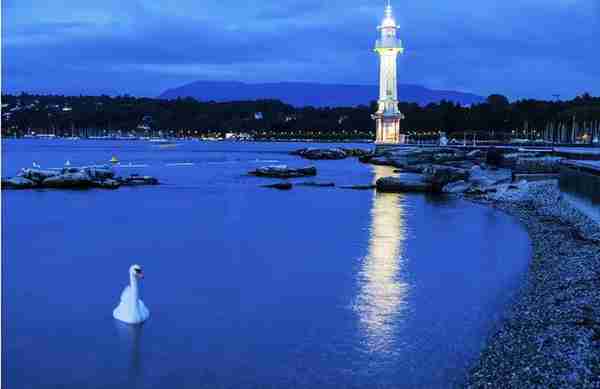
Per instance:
{"type": "Point", "coordinates": [530, 48]}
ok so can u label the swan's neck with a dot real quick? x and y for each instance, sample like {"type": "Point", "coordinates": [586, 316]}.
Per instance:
{"type": "Point", "coordinates": [133, 283]}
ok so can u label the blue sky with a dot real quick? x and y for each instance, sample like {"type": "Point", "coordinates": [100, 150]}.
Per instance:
{"type": "Point", "coordinates": [520, 48]}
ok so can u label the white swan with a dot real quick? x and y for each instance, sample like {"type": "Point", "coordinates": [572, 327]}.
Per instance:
{"type": "Point", "coordinates": [131, 309]}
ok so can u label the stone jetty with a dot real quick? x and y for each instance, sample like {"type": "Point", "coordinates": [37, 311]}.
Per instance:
{"type": "Point", "coordinates": [74, 178]}
{"type": "Point", "coordinates": [451, 170]}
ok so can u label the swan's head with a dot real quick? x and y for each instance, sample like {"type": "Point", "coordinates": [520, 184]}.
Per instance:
{"type": "Point", "coordinates": [136, 271]}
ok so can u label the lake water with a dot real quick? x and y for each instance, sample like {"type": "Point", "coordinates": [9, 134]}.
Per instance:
{"type": "Point", "coordinates": [248, 287]}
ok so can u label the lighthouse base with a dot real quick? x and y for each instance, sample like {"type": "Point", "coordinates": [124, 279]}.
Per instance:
{"type": "Point", "coordinates": [387, 128]}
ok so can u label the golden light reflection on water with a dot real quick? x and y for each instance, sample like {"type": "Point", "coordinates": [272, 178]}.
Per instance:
{"type": "Point", "coordinates": [382, 293]}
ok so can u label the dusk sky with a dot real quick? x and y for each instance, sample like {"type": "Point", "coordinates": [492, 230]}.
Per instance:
{"type": "Point", "coordinates": [524, 48]}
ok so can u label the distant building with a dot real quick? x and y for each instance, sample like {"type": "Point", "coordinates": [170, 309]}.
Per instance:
{"type": "Point", "coordinates": [388, 116]}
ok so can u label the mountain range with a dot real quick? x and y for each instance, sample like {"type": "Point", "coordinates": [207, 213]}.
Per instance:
{"type": "Point", "coordinates": [301, 94]}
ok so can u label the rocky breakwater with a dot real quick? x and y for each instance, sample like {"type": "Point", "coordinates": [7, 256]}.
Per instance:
{"type": "Point", "coordinates": [330, 153]}
{"type": "Point", "coordinates": [416, 158]}
{"type": "Point", "coordinates": [449, 170]}
{"type": "Point", "coordinates": [74, 178]}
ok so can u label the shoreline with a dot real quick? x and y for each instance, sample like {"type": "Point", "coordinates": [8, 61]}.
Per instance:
{"type": "Point", "coordinates": [550, 334]}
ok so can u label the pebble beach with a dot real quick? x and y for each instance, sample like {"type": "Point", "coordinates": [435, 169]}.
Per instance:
{"type": "Point", "coordinates": [550, 337]}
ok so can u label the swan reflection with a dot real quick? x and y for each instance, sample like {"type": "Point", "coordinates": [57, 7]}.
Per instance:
{"type": "Point", "coordinates": [382, 293]}
{"type": "Point", "coordinates": [130, 336]}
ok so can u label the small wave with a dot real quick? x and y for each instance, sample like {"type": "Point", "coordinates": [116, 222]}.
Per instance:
{"type": "Point", "coordinates": [132, 165]}
{"type": "Point", "coordinates": [180, 164]}
{"type": "Point", "coordinates": [221, 163]}
{"type": "Point", "coordinates": [266, 161]}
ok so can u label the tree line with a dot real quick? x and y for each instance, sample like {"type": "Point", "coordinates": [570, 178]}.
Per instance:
{"type": "Point", "coordinates": [496, 117]}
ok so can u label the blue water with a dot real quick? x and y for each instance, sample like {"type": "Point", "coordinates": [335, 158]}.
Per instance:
{"type": "Point", "coordinates": [247, 287]}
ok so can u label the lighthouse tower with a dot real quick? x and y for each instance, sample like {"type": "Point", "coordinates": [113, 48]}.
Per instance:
{"type": "Point", "coordinates": [387, 117]}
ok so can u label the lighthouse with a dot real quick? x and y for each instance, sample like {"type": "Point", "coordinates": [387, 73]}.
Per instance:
{"type": "Point", "coordinates": [388, 116]}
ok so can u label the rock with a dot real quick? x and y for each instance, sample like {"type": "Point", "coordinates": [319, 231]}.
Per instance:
{"type": "Point", "coordinates": [475, 154]}
{"type": "Point", "coordinates": [38, 175]}
{"type": "Point", "coordinates": [460, 186]}
{"type": "Point", "coordinates": [18, 183]}
{"type": "Point", "coordinates": [333, 153]}
{"type": "Point", "coordinates": [539, 165]}
{"type": "Point", "coordinates": [475, 191]}
{"type": "Point", "coordinates": [536, 176]}
{"type": "Point", "coordinates": [381, 160]}
{"type": "Point", "coordinates": [98, 176]}
{"type": "Point", "coordinates": [405, 157]}
{"type": "Point", "coordinates": [487, 177]}
{"type": "Point", "coordinates": [440, 175]}
{"type": "Point", "coordinates": [98, 173]}
{"type": "Point", "coordinates": [279, 185]}
{"type": "Point", "coordinates": [402, 184]}
{"type": "Point", "coordinates": [356, 152]}
{"type": "Point", "coordinates": [413, 168]}
{"type": "Point", "coordinates": [106, 183]}
{"type": "Point", "coordinates": [461, 164]}
{"type": "Point", "coordinates": [358, 187]}
{"type": "Point", "coordinates": [136, 179]}
{"type": "Point", "coordinates": [494, 156]}
{"type": "Point", "coordinates": [365, 158]}
{"type": "Point", "coordinates": [320, 184]}
{"type": "Point", "coordinates": [409, 157]}
{"type": "Point", "coordinates": [284, 172]}
{"type": "Point", "coordinates": [79, 179]}
{"type": "Point", "coordinates": [510, 160]}
{"type": "Point", "coordinates": [449, 155]}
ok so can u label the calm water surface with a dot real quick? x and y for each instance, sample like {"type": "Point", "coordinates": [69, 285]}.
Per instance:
{"type": "Point", "coordinates": [247, 287]}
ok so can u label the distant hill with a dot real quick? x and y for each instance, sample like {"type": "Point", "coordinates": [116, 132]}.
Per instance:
{"type": "Point", "coordinates": [319, 95]}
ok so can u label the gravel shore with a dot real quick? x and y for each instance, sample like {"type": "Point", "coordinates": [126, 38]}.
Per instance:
{"type": "Point", "coordinates": [550, 337]}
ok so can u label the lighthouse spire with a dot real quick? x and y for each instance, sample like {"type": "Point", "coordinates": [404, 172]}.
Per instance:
{"type": "Point", "coordinates": [388, 46]}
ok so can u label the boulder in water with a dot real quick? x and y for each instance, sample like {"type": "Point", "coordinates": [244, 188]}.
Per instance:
{"type": "Point", "coordinates": [356, 152]}
{"type": "Point", "coordinates": [107, 183]}
{"type": "Point", "coordinates": [405, 157]}
{"type": "Point", "coordinates": [68, 180]}
{"type": "Point", "coordinates": [358, 187]}
{"type": "Point", "coordinates": [284, 172]}
{"type": "Point", "coordinates": [309, 153]}
{"type": "Point", "coordinates": [136, 179]}
{"type": "Point", "coordinates": [440, 175]}
{"type": "Point", "coordinates": [279, 185]}
{"type": "Point", "coordinates": [460, 186]}
{"type": "Point", "coordinates": [331, 153]}
{"type": "Point", "coordinates": [18, 183]}
{"type": "Point", "coordinates": [365, 158]}
{"type": "Point", "coordinates": [100, 173]}
{"type": "Point", "coordinates": [403, 184]}
{"type": "Point", "coordinates": [313, 183]}
{"type": "Point", "coordinates": [38, 175]}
